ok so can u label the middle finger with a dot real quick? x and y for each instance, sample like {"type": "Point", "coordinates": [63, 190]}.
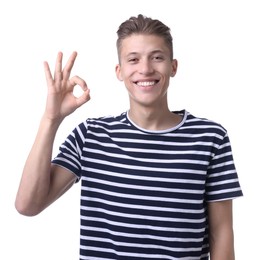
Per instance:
{"type": "Point", "coordinates": [69, 65]}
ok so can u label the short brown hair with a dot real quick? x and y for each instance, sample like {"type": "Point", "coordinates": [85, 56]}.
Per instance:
{"type": "Point", "coordinates": [144, 25]}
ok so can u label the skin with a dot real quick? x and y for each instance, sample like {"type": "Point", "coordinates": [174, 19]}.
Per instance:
{"type": "Point", "coordinates": [145, 60]}
{"type": "Point", "coordinates": [145, 68]}
{"type": "Point", "coordinates": [221, 230]}
{"type": "Point", "coordinates": [42, 183]}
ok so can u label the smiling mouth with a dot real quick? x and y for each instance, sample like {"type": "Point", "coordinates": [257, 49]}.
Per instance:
{"type": "Point", "coordinates": [146, 83]}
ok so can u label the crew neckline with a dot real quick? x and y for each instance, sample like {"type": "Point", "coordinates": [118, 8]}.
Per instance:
{"type": "Point", "coordinates": [183, 113]}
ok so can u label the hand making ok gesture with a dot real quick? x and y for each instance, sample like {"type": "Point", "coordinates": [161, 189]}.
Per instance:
{"type": "Point", "coordinates": [60, 99]}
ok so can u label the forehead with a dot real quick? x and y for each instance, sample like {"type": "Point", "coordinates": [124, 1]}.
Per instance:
{"type": "Point", "coordinates": [143, 44]}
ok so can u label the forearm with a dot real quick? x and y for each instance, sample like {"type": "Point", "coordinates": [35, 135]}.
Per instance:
{"type": "Point", "coordinates": [222, 245]}
{"type": "Point", "coordinates": [35, 182]}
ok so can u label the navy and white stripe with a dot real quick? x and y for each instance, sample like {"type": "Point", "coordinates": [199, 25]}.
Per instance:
{"type": "Point", "coordinates": [144, 193]}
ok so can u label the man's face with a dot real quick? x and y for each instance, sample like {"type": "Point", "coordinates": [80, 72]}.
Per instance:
{"type": "Point", "coordinates": [146, 68]}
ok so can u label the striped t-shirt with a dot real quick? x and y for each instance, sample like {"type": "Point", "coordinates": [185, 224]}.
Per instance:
{"type": "Point", "coordinates": [144, 193]}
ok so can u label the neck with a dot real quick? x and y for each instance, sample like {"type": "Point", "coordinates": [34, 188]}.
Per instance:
{"type": "Point", "coordinates": [154, 119]}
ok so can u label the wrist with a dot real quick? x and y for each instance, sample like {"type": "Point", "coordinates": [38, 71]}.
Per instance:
{"type": "Point", "coordinates": [50, 123]}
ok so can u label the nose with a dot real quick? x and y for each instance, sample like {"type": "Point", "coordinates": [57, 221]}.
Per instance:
{"type": "Point", "coordinates": [145, 67]}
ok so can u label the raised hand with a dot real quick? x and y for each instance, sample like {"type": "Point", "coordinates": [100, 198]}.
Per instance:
{"type": "Point", "coordinates": [60, 99]}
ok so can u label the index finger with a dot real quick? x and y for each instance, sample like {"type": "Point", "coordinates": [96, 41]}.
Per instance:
{"type": "Point", "coordinates": [58, 67]}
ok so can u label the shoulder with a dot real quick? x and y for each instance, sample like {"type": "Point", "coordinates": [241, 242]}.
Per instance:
{"type": "Point", "coordinates": [109, 122]}
{"type": "Point", "coordinates": [197, 122]}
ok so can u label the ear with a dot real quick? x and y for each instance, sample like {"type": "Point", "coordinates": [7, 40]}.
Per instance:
{"type": "Point", "coordinates": [174, 68]}
{"type": "Point", "coordinates": [118, 72]}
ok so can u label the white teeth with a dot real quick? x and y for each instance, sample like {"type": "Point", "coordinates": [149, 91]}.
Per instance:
{"type": "Point", "coordinates": [148, 83]}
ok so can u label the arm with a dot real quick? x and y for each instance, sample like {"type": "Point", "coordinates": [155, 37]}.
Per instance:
{"type": "Point", "coordinates": [221, 236]}
{"type": "Point", "coordinates": [42, 183]}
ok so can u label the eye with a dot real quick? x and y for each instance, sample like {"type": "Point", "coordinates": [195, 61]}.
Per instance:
{"type": "Point", "coordinates": [158, 58]}
{"type": "Point", "coordinates": [132, 60]}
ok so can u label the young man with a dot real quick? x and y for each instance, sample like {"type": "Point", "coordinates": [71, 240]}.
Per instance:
{"type": "Point", "coordinates": [155, 184]}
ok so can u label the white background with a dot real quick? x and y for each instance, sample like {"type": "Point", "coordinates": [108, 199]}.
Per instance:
{"type": "Point", "coordinates": [218, 45]}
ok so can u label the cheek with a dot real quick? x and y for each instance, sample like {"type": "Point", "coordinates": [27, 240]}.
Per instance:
{"type": "Point", "coordinates": [127, 74]}
{"type": "Point", "coordinates": [169, 73]}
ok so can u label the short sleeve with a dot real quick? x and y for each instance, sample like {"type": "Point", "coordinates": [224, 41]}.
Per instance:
{"type": "Point", "coordinates": [222, 180]}
{"type": "Point", "coordinates": [70, 152]}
